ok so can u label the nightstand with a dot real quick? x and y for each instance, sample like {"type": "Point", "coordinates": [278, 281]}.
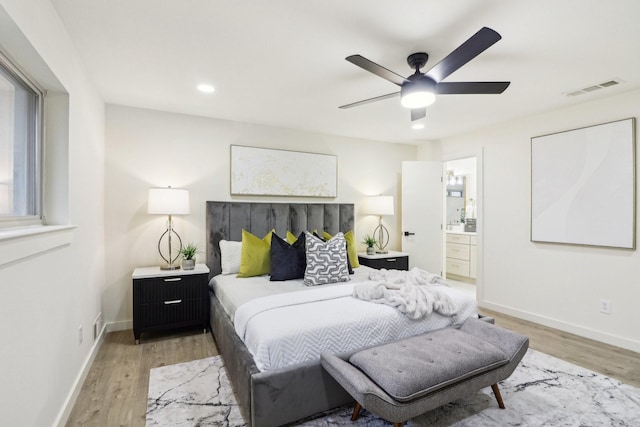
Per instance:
{"type": "Point", "coordinates": [391, 261]}
{"type": "Point", "coordinates": [170, 299]}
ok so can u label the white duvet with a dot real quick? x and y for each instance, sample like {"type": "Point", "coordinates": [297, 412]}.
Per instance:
{"type": "Point", "coordinates": [295, 327]}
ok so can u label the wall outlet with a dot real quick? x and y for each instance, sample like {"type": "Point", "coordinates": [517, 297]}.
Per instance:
{"type": "Point", "coordinates": [605, 306]}
{"type": "Point", "coordinates": [97, 326]}
{"type": "Point", "coordinates": [80, 335]}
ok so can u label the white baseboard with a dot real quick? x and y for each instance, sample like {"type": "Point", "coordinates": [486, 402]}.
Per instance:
{"type": "Point", "coordinates": [67, 407]}
{"type": "Point", "coordinates": [564, 326]}
{"type": "Point", "coordinates": [120, 326]}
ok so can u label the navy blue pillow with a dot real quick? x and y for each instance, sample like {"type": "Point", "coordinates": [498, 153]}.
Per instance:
{"type": "Point", "coordinates": [287, 261]}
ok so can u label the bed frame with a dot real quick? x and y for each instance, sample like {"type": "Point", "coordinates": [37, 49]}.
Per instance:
{"type": "Point", "coordinates": [283, 395]}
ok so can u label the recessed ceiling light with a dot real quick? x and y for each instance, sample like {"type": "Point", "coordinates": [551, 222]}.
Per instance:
{"type": "Point", "coordinates": [417, 126]}
{"type": "Point", "coordinates": [205, 88]}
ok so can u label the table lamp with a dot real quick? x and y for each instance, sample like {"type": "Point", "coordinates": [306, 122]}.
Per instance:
{"type": "Point", "coordinates": [169, 201]}
{"type": "Point", "coordinates": [380, 205]}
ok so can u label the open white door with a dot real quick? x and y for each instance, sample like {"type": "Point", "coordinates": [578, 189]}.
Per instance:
{"type": "Point", "coordinates": [422, 214]}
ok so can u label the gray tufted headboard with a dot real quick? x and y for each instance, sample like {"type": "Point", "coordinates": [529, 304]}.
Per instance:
{"type": "Point", "coordinates": [225, 220]}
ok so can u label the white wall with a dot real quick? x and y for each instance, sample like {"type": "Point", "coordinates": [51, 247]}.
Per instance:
{"type": "Point", "coordinates": [149, 148]}
{"type": "Point", "coordinates": [556, 285]}
{"type": "Point", "coordinates": [48, 296]}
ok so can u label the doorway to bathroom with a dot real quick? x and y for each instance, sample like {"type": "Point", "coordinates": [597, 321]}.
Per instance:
{"type": "Point", "coordinates": [460, 211]}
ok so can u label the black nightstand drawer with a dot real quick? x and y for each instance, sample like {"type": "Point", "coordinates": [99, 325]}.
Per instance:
{"type": "Point", "coordinates": [391, 263]}
{"type": "Point", "coordinates": [160, 289]}
{"type": "Point", "coordinates": [177, 312]}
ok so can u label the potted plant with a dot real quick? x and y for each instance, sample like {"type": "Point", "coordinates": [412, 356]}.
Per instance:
{"type": "Point", "coordinates": [188, 253]}
{"type": "Point", "coordinates": [369, 241]}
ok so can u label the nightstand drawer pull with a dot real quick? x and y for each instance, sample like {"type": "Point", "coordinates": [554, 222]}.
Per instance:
{"type": "Point", "coordinates": [174, 301]}
{"type": "Point", "coordinates": [391, 259]}
{"type": "Point", "coordinates": [173, 279]}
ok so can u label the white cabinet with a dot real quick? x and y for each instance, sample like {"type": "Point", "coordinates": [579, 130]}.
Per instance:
{"type": "Point", "coordinates": [472, 257]}
{"type": "Point", "coordinates": [461, 254]}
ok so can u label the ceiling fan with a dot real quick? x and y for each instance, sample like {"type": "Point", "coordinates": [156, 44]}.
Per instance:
{"type": "Point", "coordinates": [420, 89]}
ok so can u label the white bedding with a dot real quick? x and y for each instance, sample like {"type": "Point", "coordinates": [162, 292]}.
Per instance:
{"type": "Point", "coordinates": [232, 292]}
{"type": "Point", "coordinates": [282, 328]}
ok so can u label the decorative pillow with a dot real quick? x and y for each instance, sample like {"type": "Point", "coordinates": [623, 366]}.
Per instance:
{"type": "Point", "coordinates": [352, 249]}
{"type": "Point", "coordinates": [326, 261]}
{"type": "Point", "coordinates": [327, 237]}
{"type": "Point", "coordinates": [255, 259]}
{"type": "Point", "coordinates": [230, 253]}
{"type": "Point", "coordinates": [287, 261]}
{"type": "Point", "coordinates": [291, 238]}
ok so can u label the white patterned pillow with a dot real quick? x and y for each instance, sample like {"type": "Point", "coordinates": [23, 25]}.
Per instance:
{"type": "Point", "coordinates": [326, 261]}
{"type": "Point", "coordinates": [230, 253]}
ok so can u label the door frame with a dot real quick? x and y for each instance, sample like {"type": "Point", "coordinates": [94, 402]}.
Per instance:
{"type": "Point", "coordinates": [478, 154]}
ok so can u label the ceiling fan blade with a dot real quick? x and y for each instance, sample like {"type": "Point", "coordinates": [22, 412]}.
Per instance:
{"type": "Point", "coordinates": [453, 88]}
{"type": "Point", "coordinates": [376, 69]}
{"type": "Point", "coordinates": [468, 50]}
{"type": "Point", "coordinates": [418, 113]}
{"type": "Point", "coordinates": [366, 101]}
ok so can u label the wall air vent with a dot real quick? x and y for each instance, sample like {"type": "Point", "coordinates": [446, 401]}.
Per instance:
{"type": "Point", "coordinates": [593, 88]}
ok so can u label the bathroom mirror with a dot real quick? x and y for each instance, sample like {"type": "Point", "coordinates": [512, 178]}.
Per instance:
{"type": "Point", "coordinates": [455, 200]}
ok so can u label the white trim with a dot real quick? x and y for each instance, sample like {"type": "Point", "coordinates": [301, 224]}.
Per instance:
{"type": "Point", "coordinates": [564, 326]}
{"type": "Point", "coordinates": [120, 326]}
{"type": "Point", "coordinates": [70, 401]}
{"type": "Point", "coordinates": [20, 243]}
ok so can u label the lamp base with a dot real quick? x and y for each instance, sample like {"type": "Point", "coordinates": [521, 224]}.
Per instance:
{"type": "Point", "coordinates": [383, 238]}
{"type": "Point", "coordinates": [169, 267]}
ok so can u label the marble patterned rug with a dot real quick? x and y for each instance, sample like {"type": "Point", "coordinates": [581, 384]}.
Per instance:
{"type": "Point", "coordinates": [543, 391]}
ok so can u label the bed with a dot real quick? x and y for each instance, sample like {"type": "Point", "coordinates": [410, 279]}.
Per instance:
{"type": "Point", "coordinates": [276, 387]}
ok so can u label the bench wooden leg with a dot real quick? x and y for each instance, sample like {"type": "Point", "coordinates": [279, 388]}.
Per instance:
{"type": "Point", "coordinates": [496, 391]}
{"type": "Point", "coordinates": [356, 412]}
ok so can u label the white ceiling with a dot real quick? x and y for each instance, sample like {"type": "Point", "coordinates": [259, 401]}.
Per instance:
{"type": "Point", "coordinates": [281, 62]}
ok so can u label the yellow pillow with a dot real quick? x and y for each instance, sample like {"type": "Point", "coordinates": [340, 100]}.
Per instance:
{"type": "Point", "coordinates": [352, 249]}
{"type": "Point", "coordinates": [255, 257]}
{"type": "Point", "coordinates": [291, 238]}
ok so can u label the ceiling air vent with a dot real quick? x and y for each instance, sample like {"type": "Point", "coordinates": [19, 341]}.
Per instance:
{"type": "Point", "coordinates": [593, 88]}
{"type": "Point", "coordinates": [609, 83]}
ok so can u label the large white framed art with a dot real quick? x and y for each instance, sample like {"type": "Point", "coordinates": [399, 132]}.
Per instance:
{"type": "Point", "coordinates": [270, 172]}
{"type": "Point", "coordinates": [583, 186]}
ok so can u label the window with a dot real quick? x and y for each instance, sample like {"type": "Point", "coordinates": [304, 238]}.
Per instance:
{"type": "Point", "coordinates": [20, 147]}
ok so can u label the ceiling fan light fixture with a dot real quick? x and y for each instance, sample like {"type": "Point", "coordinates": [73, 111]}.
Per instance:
{"type": "Point", "coordinates": [418, 93]}
{"type": "Point", "coordinates": [418, 99]}
{"type": "Point", "coordinates": [419, 90]}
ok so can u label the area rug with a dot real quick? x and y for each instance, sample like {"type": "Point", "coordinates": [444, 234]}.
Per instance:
{"type": "Point", "coordinates": [543, 391]}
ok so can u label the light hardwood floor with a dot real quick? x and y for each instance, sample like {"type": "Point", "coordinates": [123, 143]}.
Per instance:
{"type": "Point", "coordinates": [614, 362]}
{"type": "Point", "coordinates": [115, 391]}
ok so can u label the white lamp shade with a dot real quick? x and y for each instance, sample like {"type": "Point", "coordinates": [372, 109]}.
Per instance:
{"type": "Point", "coordinates": [168, 201]}
{"type": "Point", "coordinates": [379, 205]}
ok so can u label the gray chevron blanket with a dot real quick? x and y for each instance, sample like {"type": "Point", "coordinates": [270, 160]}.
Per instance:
{"type": "Point", "coordinates": [415, 293]}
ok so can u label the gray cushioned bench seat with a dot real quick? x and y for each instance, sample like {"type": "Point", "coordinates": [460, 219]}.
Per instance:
{"type": "Point", "coordinates": [402, 379]}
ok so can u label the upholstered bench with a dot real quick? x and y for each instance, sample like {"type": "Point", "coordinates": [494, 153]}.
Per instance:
{"type": "Point", "coordinates": [405, 378]}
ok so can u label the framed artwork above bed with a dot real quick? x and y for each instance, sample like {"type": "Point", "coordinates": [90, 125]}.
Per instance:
{"type": "Point", "coordinates": [268, 172]}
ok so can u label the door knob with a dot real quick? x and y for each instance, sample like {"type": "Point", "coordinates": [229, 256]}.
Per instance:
{"type": "Point", "coordinates": [408, 233]}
